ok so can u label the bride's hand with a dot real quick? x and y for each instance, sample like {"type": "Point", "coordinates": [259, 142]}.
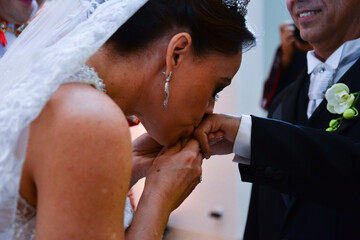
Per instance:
{"type": "Point", "coordinates": [145, 150]}
{"type": "Point", "coordinates": [174, 174]}
{"type": "Point", "coordinates": [216, 134]}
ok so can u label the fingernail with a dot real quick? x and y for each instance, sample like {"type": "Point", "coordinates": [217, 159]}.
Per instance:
{"type": "Point", "coordinates": [219, 139]}
{"type": "Point", "coordinates": [212, 141]}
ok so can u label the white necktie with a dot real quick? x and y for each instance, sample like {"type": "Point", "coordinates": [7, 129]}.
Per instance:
{"type": "Point", "coordinates": [320, 79]}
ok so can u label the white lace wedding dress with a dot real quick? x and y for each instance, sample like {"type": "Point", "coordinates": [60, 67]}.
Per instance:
{"type": "Point", "coordinates": [25, 220]}
{"type": "Point", "coordinates": [48, 53]}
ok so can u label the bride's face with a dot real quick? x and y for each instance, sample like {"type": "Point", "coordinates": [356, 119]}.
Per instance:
{"type": "Point", "coordinates": [193, 88]}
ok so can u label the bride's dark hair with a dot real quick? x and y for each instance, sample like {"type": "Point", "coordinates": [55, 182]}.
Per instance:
{"type": "Point", "coordinates": [212, 26]}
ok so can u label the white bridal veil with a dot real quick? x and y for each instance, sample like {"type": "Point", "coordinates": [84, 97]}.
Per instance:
{"type": "Point", "coordinates": [50, 50]}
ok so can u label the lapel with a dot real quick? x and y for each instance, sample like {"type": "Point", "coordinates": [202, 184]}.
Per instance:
{"type": "Point", "coordinates": [321, 117]}
{"type": "Point", "coordinates": [291, 107]}
{"type": "Point", "coordinates": [293, 103]}
{"type": "Point", "coordinates": [287, 103]}
{"type": "Point", "coordinates": [294, 111]}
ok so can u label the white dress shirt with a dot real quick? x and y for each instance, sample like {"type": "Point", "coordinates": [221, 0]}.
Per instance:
{"type": "Point", "coordinates": [339, 62]}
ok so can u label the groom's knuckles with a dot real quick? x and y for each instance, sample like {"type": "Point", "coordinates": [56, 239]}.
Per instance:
{"type": "Point", "coordinates": [204, 128]}
{"type": "Point", "coordinates": [200, 135]}
{"type": "Point", "coordinates": [202, 138]}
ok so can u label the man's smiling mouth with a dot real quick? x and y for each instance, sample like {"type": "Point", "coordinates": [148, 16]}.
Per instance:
{"type": "Point", "coordinates": [307, 13]}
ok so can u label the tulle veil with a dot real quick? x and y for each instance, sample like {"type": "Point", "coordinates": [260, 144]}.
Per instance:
{"type": "Point", "coordinates": [54, 46]}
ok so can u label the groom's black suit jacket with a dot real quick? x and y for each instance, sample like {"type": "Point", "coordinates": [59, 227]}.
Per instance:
{"type": "Point", "coordinates": [306, 180]}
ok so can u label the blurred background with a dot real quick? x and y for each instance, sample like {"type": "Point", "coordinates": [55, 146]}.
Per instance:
{"type": "Point", "coordinates": [217, 209]}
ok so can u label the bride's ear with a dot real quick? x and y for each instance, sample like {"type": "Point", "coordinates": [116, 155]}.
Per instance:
{"type": "Point", "coordinates": [179, 47]}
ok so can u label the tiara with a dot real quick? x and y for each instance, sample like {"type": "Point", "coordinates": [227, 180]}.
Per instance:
{"type": "Point", "coordinates": [239, 4]}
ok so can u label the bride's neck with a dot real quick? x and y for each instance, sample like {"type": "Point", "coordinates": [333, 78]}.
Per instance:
{"type": "Point", "coordinates": [125, 78]}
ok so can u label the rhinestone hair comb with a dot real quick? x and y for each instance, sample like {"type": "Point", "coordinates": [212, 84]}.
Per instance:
{"type": "Point", "coordinates": [241, 5]}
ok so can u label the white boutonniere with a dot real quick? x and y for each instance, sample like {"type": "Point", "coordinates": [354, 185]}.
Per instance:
{"type": "Point", "coordinates": [341, 101]}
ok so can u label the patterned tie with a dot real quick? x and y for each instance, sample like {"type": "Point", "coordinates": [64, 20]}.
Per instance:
{"type": "Point", "coordinates": [320, 80]}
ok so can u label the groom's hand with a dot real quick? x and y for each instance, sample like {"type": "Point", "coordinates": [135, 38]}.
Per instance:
{"type": "Point", "coordinates": [216, 134]}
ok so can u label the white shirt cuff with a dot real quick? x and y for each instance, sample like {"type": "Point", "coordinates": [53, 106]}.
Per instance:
{"type": "Point", "coordinates": [242, 144]}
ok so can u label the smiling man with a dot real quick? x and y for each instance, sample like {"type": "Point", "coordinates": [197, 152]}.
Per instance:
{"type": "Point", "coordinates": [13, 17]}
{"type": "Point", "coordinates": [306, 180]}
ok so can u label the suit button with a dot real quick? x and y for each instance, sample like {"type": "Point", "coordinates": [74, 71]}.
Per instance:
{"type": "Point", "coordinates": [269, 172]}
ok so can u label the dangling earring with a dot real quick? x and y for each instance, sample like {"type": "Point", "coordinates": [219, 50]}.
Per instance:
{"type": "Point", "coordinates": [167, 90]}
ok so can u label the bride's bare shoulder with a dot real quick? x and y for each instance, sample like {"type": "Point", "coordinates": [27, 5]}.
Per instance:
{"type": "Point", "coordinates": [78, 111]}
{"type": "Point", "coordinates": [81, 106]}
{"type": "Point", "coordinates": [83, 116]}
{"type": "Point", "coordinates": [79, 156]}
{"type": "Point", "coordinates": [78, 100]}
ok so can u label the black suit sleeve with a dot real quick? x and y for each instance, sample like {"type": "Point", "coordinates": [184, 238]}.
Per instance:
{"type": "Point", "coordinates": [251, 229]}
{"type": "Point", "coordinates": [305, 162]}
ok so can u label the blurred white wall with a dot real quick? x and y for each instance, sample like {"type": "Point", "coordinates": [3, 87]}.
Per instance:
{"type": "Point", "coordinates": [221, 189]}
{"type": "Point", "coordinates": [275, 13]}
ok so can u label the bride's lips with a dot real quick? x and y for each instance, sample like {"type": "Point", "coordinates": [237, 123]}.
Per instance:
{"type": "Point", "coordinates": [26, 2]}
{"type": "Point", "coordinates": [307, 15]}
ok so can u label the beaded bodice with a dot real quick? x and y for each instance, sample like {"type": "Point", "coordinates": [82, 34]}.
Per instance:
{"type": "Point", "coordinates": [88, 75]}
{"type": "Point", "coordinates": [25, 221]}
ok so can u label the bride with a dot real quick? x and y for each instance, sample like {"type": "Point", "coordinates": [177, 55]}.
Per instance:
{"type": "Point", "coordinates": [66, 87]}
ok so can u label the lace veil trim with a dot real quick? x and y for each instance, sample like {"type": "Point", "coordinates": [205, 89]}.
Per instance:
{"type": "Point", "coordinates": [50, 50]}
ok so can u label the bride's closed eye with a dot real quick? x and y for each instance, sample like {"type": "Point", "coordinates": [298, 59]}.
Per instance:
{"type": "Point", "coordinates": [215, 95]}
{"type": "Point", "coordinates": [218, 89]}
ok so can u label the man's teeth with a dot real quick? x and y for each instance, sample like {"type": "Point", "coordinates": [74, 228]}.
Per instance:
{"type": "Point", "coordinates": [305, 14]}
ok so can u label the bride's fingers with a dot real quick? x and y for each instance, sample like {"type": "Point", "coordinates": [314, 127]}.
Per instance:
{"type": "Point", "coordinates": [163, 150]}
{"type": "Point", "coordinates": [184, 141]}
{"type": "Point", "coordinates": [173, 149]}
{"type": "Point", "coordinates": [192, 145]}
{"type": "Point", "coordinates": [200, 158]}
{"type": "Point", "coordinates": [192, 152]}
